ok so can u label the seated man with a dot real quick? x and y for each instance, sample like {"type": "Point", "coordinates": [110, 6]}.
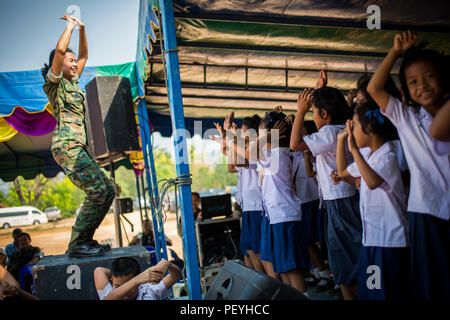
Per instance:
{"type": "Point", "coordinates": [14, 246]}
{"type": "Point", "coordinates": [27, 254]}
{"type": "Point", "coordinates": [147, 237]}
{"type": "Point", "coordinates": [129, 284]}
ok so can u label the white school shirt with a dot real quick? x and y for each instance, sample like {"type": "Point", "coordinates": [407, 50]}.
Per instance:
{"type": "Point", "coordinates": [306, 188]}
{"type": "Point", "coordinates": [251, 194]}
{"type": "Point", "coordinates": [147, 291]}
{"type": "Point", "coordinates": [397, 149]}
{"type": "Point", "coordinates": [430, 172]}
{"type": "Point", "coordinates": [323, 146]}
{"type": "Point", "coordinates": [280, 201]}
{"type": "Point", "coordinates": [238, 195]}
{"type": "Point", "coordinates": [383, 210]}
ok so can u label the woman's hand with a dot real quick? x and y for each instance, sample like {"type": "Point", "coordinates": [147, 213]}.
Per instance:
{"type": "Point", "coordinates": [403, 41]}
{"type": "Point", "coordinates": [351, 95]}
{"type": "Point", "coordinates": [352, 146]}
{"type": "Point", "coordinates": [227, 123]}
{"type": "Point", "coordinates": [72, 20]}
{"type": "Point", "coordinates": [304, 100]}
{"type": "Point", "coordinates": [220, 129]}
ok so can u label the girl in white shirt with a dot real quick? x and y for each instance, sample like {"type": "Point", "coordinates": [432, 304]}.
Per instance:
{"type": "Point", "coordinates": [283, 208]}
{"type": "Point", "coordinates": [330, 111]}
{"type": "Point", "coordinates": [425, 82]}
{"type": "Point", "coordinates": [385, 236]}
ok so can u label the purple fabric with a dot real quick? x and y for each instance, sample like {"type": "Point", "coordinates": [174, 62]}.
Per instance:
{"type": "Point", "coordinates": [33, 124]}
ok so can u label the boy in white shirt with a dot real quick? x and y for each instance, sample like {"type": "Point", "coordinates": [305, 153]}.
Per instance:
{"type": "Point", "coordinates": [129, 284]}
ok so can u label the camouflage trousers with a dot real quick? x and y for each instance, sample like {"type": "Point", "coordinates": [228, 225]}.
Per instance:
{"type": "Point", "coordinates": [86, 175]}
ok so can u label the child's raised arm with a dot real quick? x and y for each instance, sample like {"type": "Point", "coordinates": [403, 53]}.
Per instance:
{"type": "Point", "coordinates": [402, 42]}
{"type": "Point", "coordinates": [341, 159]}
{"type": "Point", "coordinates": [308, 165]}
{"type": "Point", "coordinates": [304, 101]}
{"type": "Point", "coordinates": [371, 178]}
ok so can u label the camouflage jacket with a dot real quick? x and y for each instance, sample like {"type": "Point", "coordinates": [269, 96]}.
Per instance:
{"type": "Point", "coordinates": [68, 101]}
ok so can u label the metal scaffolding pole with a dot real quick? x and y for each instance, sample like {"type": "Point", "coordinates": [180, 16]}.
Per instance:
{"type": "Point", "coordinates": [179, 136]}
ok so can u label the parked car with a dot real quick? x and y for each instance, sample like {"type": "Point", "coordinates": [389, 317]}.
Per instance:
{"type": "Point", "coordinates": [53, 213]}
{"type": "Point", "coordinates": [21, 216]}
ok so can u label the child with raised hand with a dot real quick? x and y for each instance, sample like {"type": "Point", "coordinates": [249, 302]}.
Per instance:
{"type": "Point", "coordinates": [385, 236]}
{"type": "Point", "coordinates": [330, 111]}
{"type": "Point", "coordinates": [283, 207]}
{"type": "Point", "coordinates": [307, 190]}
{"type": "Point", "coordinates": [424, 77]}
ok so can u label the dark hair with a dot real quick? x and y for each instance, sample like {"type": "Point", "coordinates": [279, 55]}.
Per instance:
{"type": "Point", "coordinates": [16, 232]}
{"type": "Point", "coordinates": [369, 116]}
{"type": "Point", "coordinates": [25, 234]}
{"type": "Point", "coordinates": [390, 87]}
{"type": "Point", "coordinates": [252, 122]}
{"type": "Point", "coordinates": [195, 194]}
{"type": "Point", "coordinates": [272, 118]}
{"type": "Point", "coordinates": [264, 123]}
{"type": "Point", "coordinates": [438, 60]}
{"type": "Point", "coordinates": [125, 266]}
{"type": "Point", "coordinates": [310, 127]}
{"type": "Point", "coordinates": [47, 67]}
{"type": "Point", "coordinates": [333, 101]}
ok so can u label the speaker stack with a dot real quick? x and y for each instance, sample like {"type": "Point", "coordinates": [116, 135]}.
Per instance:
{"type": "Point", "coordinates": [110, 120]}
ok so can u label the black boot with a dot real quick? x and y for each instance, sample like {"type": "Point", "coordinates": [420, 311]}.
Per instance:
{"type": "Point", "coordinates": [80, 248]}
{"type": "Point", "coordinates": [94, 243]}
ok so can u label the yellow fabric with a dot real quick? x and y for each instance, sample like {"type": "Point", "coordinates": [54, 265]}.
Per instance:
{"type": "Point", "coordinates": [6, 131]}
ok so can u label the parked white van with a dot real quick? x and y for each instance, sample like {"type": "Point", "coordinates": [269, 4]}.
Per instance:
{"type": "Point", "coordinates": [21, 216]}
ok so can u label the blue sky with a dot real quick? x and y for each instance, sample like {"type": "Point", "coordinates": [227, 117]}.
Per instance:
{"type": "Point", "coordinates": [30, 29]}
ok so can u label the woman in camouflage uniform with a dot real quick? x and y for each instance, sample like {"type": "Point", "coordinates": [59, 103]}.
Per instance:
{"type": "Point", "coordinates": [69, 140]}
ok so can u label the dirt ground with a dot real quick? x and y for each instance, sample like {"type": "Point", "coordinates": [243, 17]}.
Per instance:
{"type": "Point", "coordinates": [53, 237]}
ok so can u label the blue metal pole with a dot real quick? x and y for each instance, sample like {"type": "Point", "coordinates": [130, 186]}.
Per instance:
{"type": "Point", "coordinates": [154, 182]}
{"type": "Point", "coordinates": [179, 136]}
{"type": "Point", "coordinates": [160, 242]}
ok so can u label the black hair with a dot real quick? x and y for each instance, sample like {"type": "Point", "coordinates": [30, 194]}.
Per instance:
{"type": "Point", "coordinates": [16, 232]}
{"type": "Point", "coordinates": [333, 101]}
{"type": "Point", "coordinates": [369, 116]}
{"type": "Point", "coordinates": [125, 266]}
{"type": "Point", "coordinates": [390, 87]}
{"type": "Point", "coordinates": [438, 60]}
{"type": "Point", "coordinates": [195, 194]}
{"type": "Point", "coordinates": [272, 118]}
{"type": "Point", "coordinates": [310, 127]}
{"type": "Point", "coordinates": [47, 67]}
{"type": "Point", "coordinates": [252, 122]}
{"type": "Point", "coordinates": [25, 234]}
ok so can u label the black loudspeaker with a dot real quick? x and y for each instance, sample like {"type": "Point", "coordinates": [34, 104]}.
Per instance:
{"type": "Point", "coordinates": [218, 239]}
{"type": "Point", "coordinates": [63, 278]}
{"type": "Point", "coordinates": [237, 282]}
{"type": "Point", "coordinates": [126, 205]}
{"type": "Point", "coordinates": [110, 121]}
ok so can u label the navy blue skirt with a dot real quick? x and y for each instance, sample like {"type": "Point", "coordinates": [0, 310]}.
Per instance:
{"type": "Point", "coordinates": [310, 220]}
{"type": "Point", "coordinates": [383, 273]}
{"type": "Point", "coordinates": [289, 246]}
{"type": "Point", "coordinates": [430, 257]}
{"type": "Point", "coordinates": [266, 249]}
{"type": "Point", "coordinates": [343, 238]}
{"type": "Point", "coordinates": [251, 231]}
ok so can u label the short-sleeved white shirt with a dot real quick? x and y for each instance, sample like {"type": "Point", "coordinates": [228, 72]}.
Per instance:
{"type": "Point", "coordinates": [251, 193]}
{"type": "Point", "coordinates": [147, 291]}
{"type": "Point", "coordinates": [323, 146]}
{"type": "Point", "coordinates": [383, 210]}
{"type": "Point", "coordinates": [430, 172]}
{"type": "Point", "coordinates": [306, 188]}
{"type": "Point", "coordinates": [239, 186]}
{"type": "Point", "coordinates": [397, 149]}
{"type": "Point", "coordinates": [280, 201]}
